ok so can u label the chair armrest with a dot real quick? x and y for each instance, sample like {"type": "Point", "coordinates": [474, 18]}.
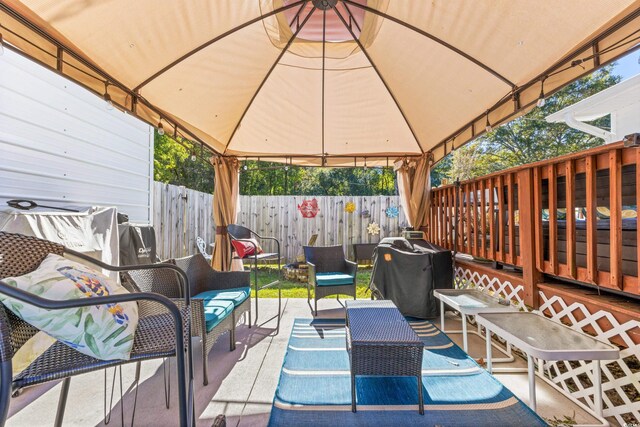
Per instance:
{"type": "Point", "coordinates": [184, 281]}
{"type": "Point", "coordinates": [277, 245]}
{"type": "Point", "coordinates": [227, 280]}
{"type": "Point", "coordinates": [351, 268]}
{"type": "Point", "coordinates": [49, 304]}
{"type": "Point", "coordinates": [198, 322]}
{"type": "Point", "coordinates": [312, 273]}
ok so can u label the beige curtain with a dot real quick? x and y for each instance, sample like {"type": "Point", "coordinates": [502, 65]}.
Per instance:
{"type": "Point", "coordinates": [414, 185]}
{"type": "Point", "coordinates": [225, 207]}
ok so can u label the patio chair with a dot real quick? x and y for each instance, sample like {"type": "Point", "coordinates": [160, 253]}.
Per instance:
{"type": "Point", "coordinates": [202, 248]}
{"type": "Point", "coordinates": [330, 273]}
{"type": "Point", "coordinates": [243, 234]}
{"type": "Point", "coordinates": [160, 333]}
{"type": "Point", "coordinates": [218, 299]}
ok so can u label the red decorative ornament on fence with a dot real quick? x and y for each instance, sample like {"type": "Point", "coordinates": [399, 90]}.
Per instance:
{"type": "Point", "coordinates": [309, 208]}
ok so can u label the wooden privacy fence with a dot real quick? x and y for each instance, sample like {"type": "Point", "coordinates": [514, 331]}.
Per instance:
{"type": "Point", "coordinates": [279, 216]}
{"type": "Point", "coordinates": [181, 214]}
{"type": "Point", "coordinates": [562, 217]}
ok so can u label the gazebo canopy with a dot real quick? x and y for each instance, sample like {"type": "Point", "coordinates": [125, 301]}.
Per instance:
{"type": "Point", "coordinates": [323, 81]}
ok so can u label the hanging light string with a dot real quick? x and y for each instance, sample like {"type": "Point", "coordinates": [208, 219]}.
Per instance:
{"type": "Point", "coordinates": [541, 101]}
{"type": "Point", "coordinates": [630, 38]}
{"type": "Point", "coordinates": [488, 126]}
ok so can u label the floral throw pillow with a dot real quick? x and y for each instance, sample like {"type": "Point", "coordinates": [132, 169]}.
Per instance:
{"type": "Point", "coordinates": [105, 332]}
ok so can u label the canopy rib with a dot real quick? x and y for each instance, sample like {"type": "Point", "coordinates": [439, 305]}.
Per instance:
{"type": "Point", "coordinates": [384, 82]}
{"type": "Point", "coordinates": [266, 77]}
{"type": "Point", "coordinates": [218, 38]}
{"type": "Point", "coordinates": [432, 37]}
{"type": "Point", "coordinates": [324, 40]}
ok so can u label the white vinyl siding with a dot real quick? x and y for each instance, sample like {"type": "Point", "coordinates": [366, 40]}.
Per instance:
{"type": "Point", "coordinates": [60, 145]}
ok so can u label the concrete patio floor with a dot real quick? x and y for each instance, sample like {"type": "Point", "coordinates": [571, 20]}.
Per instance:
{"type": "Point", "coordinates": [242, 383]}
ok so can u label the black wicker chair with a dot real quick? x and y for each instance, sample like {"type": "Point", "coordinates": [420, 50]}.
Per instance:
{"type": "Point", "coordinates": [330, 273]}
{"type": "Point", "coordinates": [202, 278]}
{"type": "Point", "coordinates": [241, 233]}
{"type": "Point", "coordinates": [161, 331]}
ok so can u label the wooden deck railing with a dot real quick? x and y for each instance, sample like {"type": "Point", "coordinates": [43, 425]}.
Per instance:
{"type": "Point", "coordinates": [550, 218]}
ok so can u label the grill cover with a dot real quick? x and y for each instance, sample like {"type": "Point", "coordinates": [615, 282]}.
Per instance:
{"type": "Point", "coordinates": [137, 244]}
{"type": "Point", "coordinates": [407, 274]}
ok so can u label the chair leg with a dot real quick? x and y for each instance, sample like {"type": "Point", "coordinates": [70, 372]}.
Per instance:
{"type": "Point", "coordinates": [255, 320]}
{"type": "Point", "coordinates": [62, 402]}
{"type": "Point", "coordinates": [167, 381]}
{"type": "Point", "coordinates": [232, 336]}
{"type": "Point", "coordinates": [248, 313]}
{"type": "Point", "coordinates": [135, 396]}
{"type": "Point", "coordinates": [205, 365]}
{"type": "Point", "coordinates": [5, 389]}
{"type": "Point", "coordinates": [107, 414]}
{"type": "Point", "coordinates": [316, 306]}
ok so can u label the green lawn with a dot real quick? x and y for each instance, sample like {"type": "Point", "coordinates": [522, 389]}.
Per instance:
{"type": "Point", "coordinates": [291, 289]}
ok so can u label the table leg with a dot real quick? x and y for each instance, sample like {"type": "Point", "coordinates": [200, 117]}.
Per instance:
{"type": "Point", "coordinates": [441, 315]}
{"type": "Point", "coordinates": [597, 387]}
{"type": "Point", "coordinates": [420, 399]}
{"type": "Point", "coordinates": [353, 393]}
{"type": "Point", "coordinates": [464, 332]}
{"type": "Point", "coordinates": [532, 382]}
{"type": "Point", "coordinates": [489, 367]}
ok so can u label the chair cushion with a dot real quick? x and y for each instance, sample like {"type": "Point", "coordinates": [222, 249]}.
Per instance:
{"type": "Point", "coordinates": [235, 295]}
{"type": "Point", "coordinates": [333, 279]}
{"type": "Point", "coordinates": [104, 332]}
{"type": "Point", "coordinates": [216, 309]}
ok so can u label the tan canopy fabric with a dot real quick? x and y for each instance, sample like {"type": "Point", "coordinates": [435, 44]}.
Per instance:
{"type": "Point", "coordinates": [323, 81]}
{"type": "Point", "coordinates": [414, 186]}
{"type": "Point", "coordinates": [225, 208]}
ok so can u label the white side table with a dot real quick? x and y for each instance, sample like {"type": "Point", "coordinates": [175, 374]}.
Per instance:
{"type": "Point", "coordinates": [469, 302]}
{"type": "Point", "coordinates": [546, 339]}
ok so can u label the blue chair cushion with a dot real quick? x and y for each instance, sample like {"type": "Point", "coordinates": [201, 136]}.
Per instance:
{"type": "Point", "coordinates": [333, 279]}
{"type": "Point", "coordinates": [215, 310]}
{"type": "Point", "coordinates": [235, 295]}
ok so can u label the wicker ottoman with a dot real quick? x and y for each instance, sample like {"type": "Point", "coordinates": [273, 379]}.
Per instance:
{"type": "Point", "coordinates": [380, 342]}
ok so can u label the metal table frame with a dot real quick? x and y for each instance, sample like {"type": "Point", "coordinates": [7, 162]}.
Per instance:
{"type": "Point", "coordinates": [606, 352]}
{"type": "Point", "coordinates": [486, 304]}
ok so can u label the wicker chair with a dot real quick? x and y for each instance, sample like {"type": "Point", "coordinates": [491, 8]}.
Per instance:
{"type": "Point", "coordinates": [240, 233]}
{"type": "Point", "coordinates": [161, 329]}
{"type": "Point", "coordinates": [202, 278]}
{"type": "Point", "coordinates": [330, 273]}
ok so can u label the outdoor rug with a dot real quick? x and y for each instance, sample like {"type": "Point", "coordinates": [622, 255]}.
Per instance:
{"type": "Point", "coordinates": [315, 387]}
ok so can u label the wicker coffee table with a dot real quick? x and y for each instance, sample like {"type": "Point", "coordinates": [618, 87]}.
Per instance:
{"type": "Point", "coordinates": [380, 342]}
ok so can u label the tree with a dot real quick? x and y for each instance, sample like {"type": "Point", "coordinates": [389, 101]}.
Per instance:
{"type": "Point", "coordinates": [173, 164]}
{"type": "Point", "coordinates": [530, 138]}
{"type": "Point", "coordinates": [264, 178]}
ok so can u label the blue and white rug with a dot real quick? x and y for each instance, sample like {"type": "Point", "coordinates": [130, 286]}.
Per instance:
{"type": "Point", "coordinates": [315, 386]}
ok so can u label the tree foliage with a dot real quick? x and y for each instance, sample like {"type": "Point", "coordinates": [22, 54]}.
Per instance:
{"type": "Point", "coordinates": [263, 178]}
{"type": "Point", "coordinates": [530, 138]}
{"type": "Point", "coordinates": [173, 164]}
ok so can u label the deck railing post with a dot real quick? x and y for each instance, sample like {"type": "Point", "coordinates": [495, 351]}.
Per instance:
{"type": "Point", "coordinates": [530, 274]}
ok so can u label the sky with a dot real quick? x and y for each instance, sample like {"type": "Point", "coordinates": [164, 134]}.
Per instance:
{"type": "Point", "coordinates": [629, 65]}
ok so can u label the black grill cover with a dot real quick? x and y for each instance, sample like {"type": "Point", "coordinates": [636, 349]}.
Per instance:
{"type": "Point", "coordinates": [137, 244]}
{"type": "Point", "coordinates": [407, 274]}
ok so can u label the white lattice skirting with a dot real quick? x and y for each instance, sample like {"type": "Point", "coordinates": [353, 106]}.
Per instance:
{"type": "Point", "coordinates": [619, 381]}
{"type": "Point", "coordinates": [466, 278]}
{"type": "Point", "coordinates": [575, 378]}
